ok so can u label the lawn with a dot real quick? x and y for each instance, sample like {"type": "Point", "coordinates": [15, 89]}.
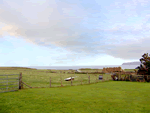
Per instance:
{"type": "Point", "coordinates": [103, 97]}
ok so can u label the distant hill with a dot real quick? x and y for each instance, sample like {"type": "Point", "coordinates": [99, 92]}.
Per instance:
{"type": "Point", "coordinates": [132, 63]}
{"type": "Point", "coordinates": [13, 68]}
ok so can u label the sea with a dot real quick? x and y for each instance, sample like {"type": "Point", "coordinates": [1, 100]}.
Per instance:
{"type": "Point", "coordinates": [79, 67]}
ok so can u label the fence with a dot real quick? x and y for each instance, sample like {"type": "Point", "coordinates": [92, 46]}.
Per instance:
{"type": "Point", "coordinates": [62, 79]}
{"type": "Point", "coordinates": [6, 84]}
{"type": "Point", "coordinates": [46, 81]}
{"type": "Point", "coordinates": [78, 80]}
{"type": "Point", "coordinates": [131, 77]}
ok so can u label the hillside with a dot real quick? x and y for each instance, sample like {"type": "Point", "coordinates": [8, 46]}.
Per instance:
{"type": "Point", "coordinates": [131, 63]}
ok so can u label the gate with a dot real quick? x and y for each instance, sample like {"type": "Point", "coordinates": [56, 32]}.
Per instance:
{"type": "Point", "coordinates": [9, 83]}
{"type": "Point", "coordinates": [140, 78]}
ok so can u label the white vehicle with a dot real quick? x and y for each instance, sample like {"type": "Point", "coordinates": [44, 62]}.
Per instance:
{"type": "Point", "coordinates": [69, 79]}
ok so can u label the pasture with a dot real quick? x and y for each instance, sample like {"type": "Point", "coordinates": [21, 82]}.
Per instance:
{"type": "Point", "coordinates": [41, 78]}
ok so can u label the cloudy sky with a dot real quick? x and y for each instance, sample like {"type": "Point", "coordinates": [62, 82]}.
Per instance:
{"type": "Point", "coordinates": [73, 32]}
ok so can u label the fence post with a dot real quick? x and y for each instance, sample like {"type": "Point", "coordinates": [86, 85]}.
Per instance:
{"type": "Point", "coordinates": [61, 79]}
{"type": "Point", "coordinates": [130, 78]}
{"type": "Point", "coordinates": [89, 79]}
{"type": "Point", "coordinates": [20, 81]}
{"type": "Point", "coordinates": [81, 80]}
{"type": "Point", "coordinates": [7, 82]}
{"type": "Point", "coordinates": [143, 78]}
{"type": "Point", "coordinates": [71, 80]}
{"type": "Point", "coordinates": [50, 81]}
{"type": "Point", "coordinates": [119, 75]}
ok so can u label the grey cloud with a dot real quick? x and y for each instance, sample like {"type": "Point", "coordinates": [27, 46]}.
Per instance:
{"type": "Point", "coordinates": [133, 50]}
{"type": "Point", "coordinates": [61, 25]}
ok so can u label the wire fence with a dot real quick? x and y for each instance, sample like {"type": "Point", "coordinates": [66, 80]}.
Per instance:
{"type": "Point", "coordinates": [65, 80]}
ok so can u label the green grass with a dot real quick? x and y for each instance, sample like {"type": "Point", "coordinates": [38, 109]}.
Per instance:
{"type": "Point", "coordinates": [131, 70]}
{"type": "Point", "coordinates": [104, 97]}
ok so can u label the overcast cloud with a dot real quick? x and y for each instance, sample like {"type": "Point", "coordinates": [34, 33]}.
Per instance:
{"type": "Point", "coordinates": [118, 28]}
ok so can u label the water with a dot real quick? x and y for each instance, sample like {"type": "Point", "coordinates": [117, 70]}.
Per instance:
{"type": "Point", "coordinates": [79, 67]}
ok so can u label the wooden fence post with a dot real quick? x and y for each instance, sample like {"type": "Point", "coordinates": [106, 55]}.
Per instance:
{"type": "Point", "coordinates": [89, 79]}
{"type": "Point", "coordinates": [61, 79]}
{"type": "Point", "coordinates": [130, 78]}
{"type": "Point", "coordinates": [50, 81]}
{"type": "Point", "coordinates": [7, 82]}
{"type": "Point", "coordinates": [119, 76]}
{"type": "Point", "coordinates": [71, 80]}
{"type": "Point", "coordinates": [143, 78]}
{"type": "Point", "coordinates": [20, 81]}
{"type": "Point", "coordinates": [81, 80]}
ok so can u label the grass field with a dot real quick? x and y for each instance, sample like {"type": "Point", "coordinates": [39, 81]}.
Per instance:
{"type": "Point", "coordinates": [104, 97]}
{"type": "Point", "coordinates": [41, 78]}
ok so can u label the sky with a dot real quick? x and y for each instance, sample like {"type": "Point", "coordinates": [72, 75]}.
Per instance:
{"type": "Point", "coordinates": [73, 32]}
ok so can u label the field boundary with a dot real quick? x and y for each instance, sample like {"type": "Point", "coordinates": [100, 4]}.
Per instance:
{"type": "Point", "coordinates": [70, 81]}
{"type": "Point", "coordinates": [6, 88]}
